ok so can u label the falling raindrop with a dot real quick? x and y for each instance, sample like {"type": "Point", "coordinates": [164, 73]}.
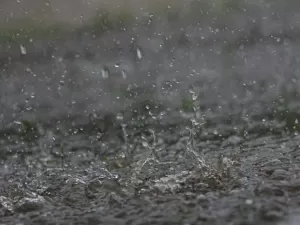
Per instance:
{"type": "Point", "coordinates": [124, 75]}
{"type": "Point", "coordinates": [139, 53]}
{"type": "Point", "coordinates": [105, 73]}
{"type": "Point", "coordinates": [23, 50]}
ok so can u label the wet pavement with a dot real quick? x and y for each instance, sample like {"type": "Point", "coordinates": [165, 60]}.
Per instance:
{"type": "Point", "coordinates": [150, 127]}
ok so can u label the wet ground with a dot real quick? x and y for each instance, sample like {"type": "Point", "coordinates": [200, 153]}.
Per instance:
{"type": "Point", "coordinates": [151, 126]}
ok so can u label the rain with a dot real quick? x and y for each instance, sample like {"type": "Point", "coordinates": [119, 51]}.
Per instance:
{"type": "Point", "coordinates": [149, 112]}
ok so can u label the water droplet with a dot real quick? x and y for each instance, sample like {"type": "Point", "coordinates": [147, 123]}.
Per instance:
{"type": "Point", "coordinates": [23, 50]}
{"type": "Point", "coordinates": [104, 73]}
{"type": "Point", "coordinates": [119, 117]}
{"type": "Point", "coordinates": [194, 95]}
{"type": "Point", "coordinates": [139, 53]}
{"type": "Point", "coordinates": [145, 144]}
{"type": "Point", "coordinates": [124, 75]}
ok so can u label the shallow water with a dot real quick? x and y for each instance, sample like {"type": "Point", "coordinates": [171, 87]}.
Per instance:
{"type": "Point", "coordinates": [150, 127]}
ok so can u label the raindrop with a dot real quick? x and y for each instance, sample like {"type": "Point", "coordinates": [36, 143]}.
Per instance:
{"type": "Point", "coordinates": [145, 144]}
{"type": "Point", "coordinates": [23, 50]}
{"type": "Point", "coordinates": [119, 117]}
{"type": "Point", "coordinates": [124, 75]}
{"type": "Point", "coordinates": [139, 53]}
{"type": "Point", "coordinates": [104, 73]}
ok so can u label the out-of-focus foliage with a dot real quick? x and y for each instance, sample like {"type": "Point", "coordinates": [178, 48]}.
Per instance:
{"type": "Point", "coordinates": [50, 18]}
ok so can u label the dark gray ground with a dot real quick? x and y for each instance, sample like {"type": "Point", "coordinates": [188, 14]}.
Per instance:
{"type": "Point", "coordinates": [151, 126]}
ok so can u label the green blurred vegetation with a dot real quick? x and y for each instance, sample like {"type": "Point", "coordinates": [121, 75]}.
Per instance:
{"type": "Point", "coordinates": [106, 21]}
{"type": "Point", "coordinates": [29, 31]}
{"type": "Point", "coordinates": [215, 13]}
{"type": "Point", "coordinates": [22, 30]}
